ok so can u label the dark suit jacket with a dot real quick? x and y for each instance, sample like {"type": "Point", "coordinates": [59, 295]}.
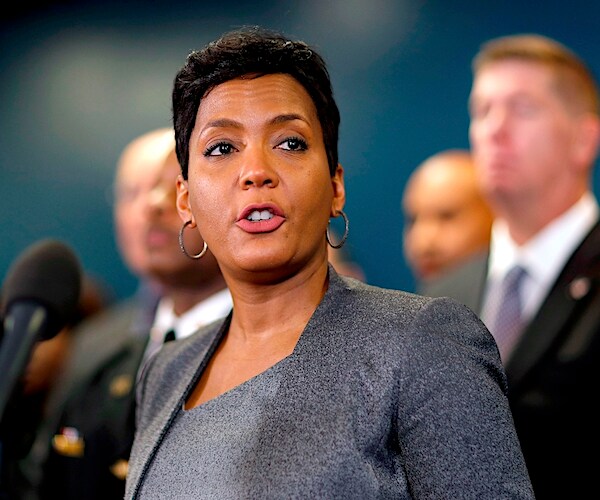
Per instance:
{"type": "Point", "coordinates": [96, 409]}
{"type": "Point", "coordinates": [554, 372]}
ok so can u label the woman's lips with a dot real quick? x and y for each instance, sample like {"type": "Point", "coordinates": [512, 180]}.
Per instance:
{"type": "Point", "coordinates": [262, 226]}
{"type": "Point", "coordinates": [260, 218]}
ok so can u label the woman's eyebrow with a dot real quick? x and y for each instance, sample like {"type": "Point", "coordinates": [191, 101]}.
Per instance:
{"type": "Point", "coordinates": [222, 123]}
{"type": "Point", "coordinates": [287, 118]}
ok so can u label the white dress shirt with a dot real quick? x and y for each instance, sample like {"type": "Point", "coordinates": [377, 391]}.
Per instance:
{"type": "Point", "coordinates": [211, 309]}
{"type": "Point", "coordinates": [543, 257]}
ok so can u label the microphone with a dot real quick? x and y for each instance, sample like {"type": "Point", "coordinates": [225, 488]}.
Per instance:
{"type": "Point", "coordinates": [40, 295]}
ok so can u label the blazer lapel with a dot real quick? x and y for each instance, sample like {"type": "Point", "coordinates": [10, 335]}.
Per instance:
{"type": "Point", "coordinates": [575, 283]}
{"type": "Point", "coordinates": [177, 380]}
{"type": "Point", "coordinates": [540, 334]}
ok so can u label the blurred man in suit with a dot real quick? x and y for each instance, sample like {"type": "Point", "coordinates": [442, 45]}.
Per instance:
{"type": "Point", "coordinates": [534, 134]}
{"type": "Point", "coordinates": [93, 429]}
{"type": "Point", "coordinates": [446, 218]}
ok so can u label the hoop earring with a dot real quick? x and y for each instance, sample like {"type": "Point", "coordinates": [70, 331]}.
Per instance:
{"type": "Point", "coordinates": [344, 237]}
{"type": "Point", "coordinates": [182, 246]}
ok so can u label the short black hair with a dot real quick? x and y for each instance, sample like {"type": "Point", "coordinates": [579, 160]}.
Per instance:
{"type": "Point", "coordinates": [252, 51]}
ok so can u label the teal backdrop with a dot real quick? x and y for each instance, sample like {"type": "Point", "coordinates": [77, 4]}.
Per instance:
{"type": "Point", "coordinates": [79, 80]}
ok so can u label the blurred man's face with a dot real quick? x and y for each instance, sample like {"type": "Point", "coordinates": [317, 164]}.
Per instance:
{"type": "Point", "coordinates": [162, 224]}
{"type": "Point", "coordinates": [446, 218]}
{"type": "Point", "coordinates": [522, 134]}
{"type": "Point", "coordinates": [138, 171]}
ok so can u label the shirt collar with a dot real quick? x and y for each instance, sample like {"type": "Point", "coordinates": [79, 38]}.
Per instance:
{"type": "Point", "coordinates": [548, 251]}
{"type": "Point", "coordinates": [214, 307]}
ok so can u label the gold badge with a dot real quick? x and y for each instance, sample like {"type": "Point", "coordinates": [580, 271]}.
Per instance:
{"type": "Point", "coordinates": [120, 468]}
{"type": "Point", "coordinates": [68, 443]}
{"type": "Point", "coordinates": [120, 386]}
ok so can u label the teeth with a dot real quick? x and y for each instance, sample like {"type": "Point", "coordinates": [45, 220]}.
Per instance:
{"type": "Point", "coordinates": [260, 215]}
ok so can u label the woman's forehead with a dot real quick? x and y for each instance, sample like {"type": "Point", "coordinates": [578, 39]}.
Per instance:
{"type": "Point", "coordinates": [241, 98]}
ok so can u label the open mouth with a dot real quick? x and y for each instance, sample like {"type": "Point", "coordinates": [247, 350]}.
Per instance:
{"type": "Point", "coordinates": [263, 218]}
{"type": "Point", "coordinates": [258, 215]}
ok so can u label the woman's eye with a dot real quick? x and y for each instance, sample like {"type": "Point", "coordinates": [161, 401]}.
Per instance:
{"type": "Point", "coordinates": [293, 144]}
{"type": "Point", "coordinates": [219, 149]}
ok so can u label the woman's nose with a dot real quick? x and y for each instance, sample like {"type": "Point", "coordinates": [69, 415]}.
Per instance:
{"type": "Point", "coordinates": [258, 168]}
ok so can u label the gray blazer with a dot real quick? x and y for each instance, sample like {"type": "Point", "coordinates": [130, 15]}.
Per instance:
{"type": "Point", "coordinates": [388, 395]}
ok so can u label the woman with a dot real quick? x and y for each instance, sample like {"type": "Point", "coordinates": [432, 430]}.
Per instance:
{"type": "Point", "coordinates": [315, 386]}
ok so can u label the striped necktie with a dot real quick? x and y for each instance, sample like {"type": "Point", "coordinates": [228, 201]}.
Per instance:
{"type": "Point", "coordinates": [508, 323]}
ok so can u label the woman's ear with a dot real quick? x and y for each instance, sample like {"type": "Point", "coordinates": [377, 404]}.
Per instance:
{"type": "Point", "coordinates": [339, 191]}
{"type": "Point", "coordinates": [183, 200]}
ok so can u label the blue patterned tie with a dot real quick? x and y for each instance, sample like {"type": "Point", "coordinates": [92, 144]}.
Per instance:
{"type": "Point", "coordinates": [508, 323]}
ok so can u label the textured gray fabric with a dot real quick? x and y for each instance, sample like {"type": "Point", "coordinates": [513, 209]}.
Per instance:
{"type": "Point", "coordinates": [386, 395]}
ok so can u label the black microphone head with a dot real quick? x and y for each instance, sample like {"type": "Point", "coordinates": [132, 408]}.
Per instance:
{"type": "Point", "coordinates": [49, 273]}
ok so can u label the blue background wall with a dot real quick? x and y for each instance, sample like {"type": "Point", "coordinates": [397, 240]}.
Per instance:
{"type": "Point", "coordinates": [79, 80]}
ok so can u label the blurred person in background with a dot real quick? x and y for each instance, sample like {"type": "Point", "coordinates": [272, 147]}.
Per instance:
{"type": "Point", "coordinates": [534, 132]}
{"type": "Point", "coordinates": [86, 449]}
{"type": "Point", "coordinates": [446, 218]}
